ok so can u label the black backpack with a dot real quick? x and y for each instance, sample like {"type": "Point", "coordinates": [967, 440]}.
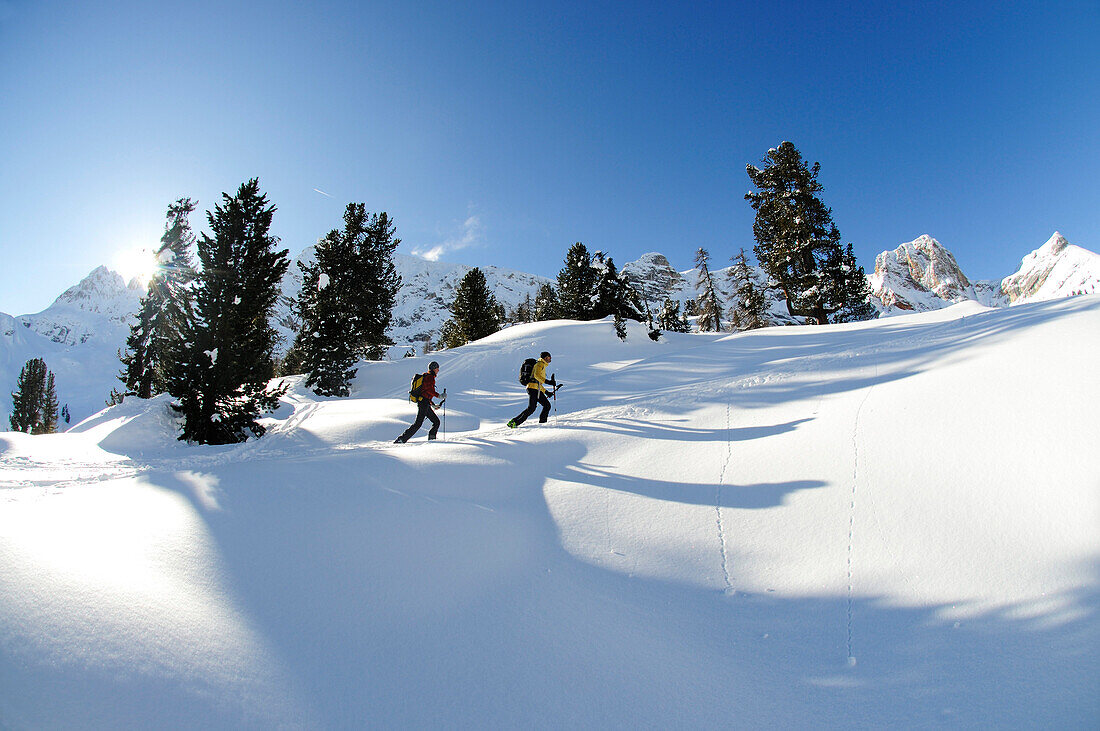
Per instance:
{"type": "Point", "coordinates": [417, 385]}
{"type": "Point", "coordinates": [525, 371]}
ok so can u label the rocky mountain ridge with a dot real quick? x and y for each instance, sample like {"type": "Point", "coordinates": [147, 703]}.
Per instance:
{"type": "Point", "coordinates": [922, 275]}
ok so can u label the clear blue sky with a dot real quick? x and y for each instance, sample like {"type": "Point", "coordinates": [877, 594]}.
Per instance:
{"type": "Point", "coordinates": [503, 132]}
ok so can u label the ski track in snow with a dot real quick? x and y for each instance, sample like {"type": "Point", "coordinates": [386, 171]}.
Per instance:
{"type": "Point", "coordinates": [718, 504]}
{"type": "Point", "coordinates": [852, 508]}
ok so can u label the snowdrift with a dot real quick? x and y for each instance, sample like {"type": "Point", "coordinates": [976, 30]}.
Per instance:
{"type": "Point", "coordinates": [882, 523]}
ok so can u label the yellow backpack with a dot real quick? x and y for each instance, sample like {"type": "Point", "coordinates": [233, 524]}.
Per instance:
{"type": "Point", "coordinates": [417, 384]}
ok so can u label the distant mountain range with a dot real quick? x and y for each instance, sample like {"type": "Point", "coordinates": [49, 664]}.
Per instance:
{"type": "Point", "coordinates": [80, 334]}
{"type": "Point", "coordinates": [922, 275]}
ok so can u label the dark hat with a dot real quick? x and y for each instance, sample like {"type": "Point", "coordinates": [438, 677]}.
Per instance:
{"type": "Point", "coordinates": [433, 366]}
{"type": "Point", "coordinates": [544, 354]}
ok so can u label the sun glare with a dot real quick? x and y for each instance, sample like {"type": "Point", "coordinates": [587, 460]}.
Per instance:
{"type": "Point", "coordinates": [137, 263]}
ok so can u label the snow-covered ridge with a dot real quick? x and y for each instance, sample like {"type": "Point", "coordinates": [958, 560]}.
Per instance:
{"type": "Point", "coordinates": [427, 290]}
{"type": "Point", "coordinates": [98, 306]}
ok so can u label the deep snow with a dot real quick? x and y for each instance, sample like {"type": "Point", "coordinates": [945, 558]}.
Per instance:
{"type": "Point", "coordinates": [883, 523]}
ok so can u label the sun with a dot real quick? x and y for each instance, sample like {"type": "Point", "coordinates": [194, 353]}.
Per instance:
{"type": "Point", "coordinates": [138, 263]}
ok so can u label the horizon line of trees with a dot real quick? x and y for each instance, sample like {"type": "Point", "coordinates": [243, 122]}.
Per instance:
{"type": "Point", "coordinates": [203, 335]}
{"type": "Point", "coordinates": [797, 246]}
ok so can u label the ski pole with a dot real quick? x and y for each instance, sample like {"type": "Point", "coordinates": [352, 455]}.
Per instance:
{"type": "Point", "coordinates": [444, 414]}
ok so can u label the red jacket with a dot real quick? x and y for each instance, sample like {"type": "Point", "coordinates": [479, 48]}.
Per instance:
{"type": "Point", "coordinates": [427, 386]}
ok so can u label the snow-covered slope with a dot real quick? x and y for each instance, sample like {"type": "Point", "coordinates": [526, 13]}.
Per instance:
{"type": "Point", "coordinates": [882, 524]}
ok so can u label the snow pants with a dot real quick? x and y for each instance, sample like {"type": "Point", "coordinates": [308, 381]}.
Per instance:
{"type": "Point", "coordinates": [423, 411]}
{"type": "Point", "coordinates": [536, 397]}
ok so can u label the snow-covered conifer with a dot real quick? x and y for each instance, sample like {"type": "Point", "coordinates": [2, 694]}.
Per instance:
{"type": "Point", "coordinates": [577, 284]}
{"type": "Point", "coordinates": [710, 306]}
{"type": "Point", "coordinates": [376, 280]}
{"type": "Point", "coordinates": [225, 359]}
{"type": "Point", "coordinates": [476, 312]}
{"type": "Point", "coordinates": [34, 402]}
{"type": "Point", "coordinates": [748, 311]}
{"type": "Point", "coordinates": [547, 306]}
{"type": "Point", "coordinates": [670, 318]}
{"type": "Point", "coordinates": [614, 296]}
{"type": "Point", "coordinates": [797, 243]}
{"type": "Point", "coordinates": [163, 310]}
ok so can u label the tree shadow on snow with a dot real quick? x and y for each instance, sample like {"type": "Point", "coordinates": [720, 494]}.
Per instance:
{"type": "Point", "coordinates": [725, 495]}
{"type": "Point", "coordinates": [667, 430]}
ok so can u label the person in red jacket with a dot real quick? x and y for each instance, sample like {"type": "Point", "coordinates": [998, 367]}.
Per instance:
{"type": "Point", "coordinates": [424, 407]}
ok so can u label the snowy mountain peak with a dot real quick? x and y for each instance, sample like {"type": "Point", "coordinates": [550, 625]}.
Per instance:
{"type": "Point", "coordinates": [923, 275]}
{"type": "Point", "coordinates": [654, 277]}
{"type": "Point", "coordinates": [1055, 269]}
{"type": "Point", "coordinates": [1055, 245]}
{"type": "Point", "coordinates": [919, 275]}
{"type": "Point", "coordinates": [100, 291]}
{"type": "Point", "coordinates": [101, 304]}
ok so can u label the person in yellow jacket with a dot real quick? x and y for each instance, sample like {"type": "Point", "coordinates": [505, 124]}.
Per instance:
{"type": "Point", "coordinates": [536, 392]}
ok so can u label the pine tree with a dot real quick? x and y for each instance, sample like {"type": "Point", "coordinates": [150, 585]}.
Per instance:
{"type": "Point", "coordinates": [27, 397]}
{"type": "Point", "coordinates": [710, 306]}
{"type": "Point", "coordinates": [855, 291]}
{"type": "Point", "coordinates": [334, 324]}
{"type": "Point", "coordinates": [476, 312]}
{"type": "Point", "coordinates": [547, 306]}
{"type": "Point", "coordinates": [34, 402]}
{"type": "Point", "coordinates": [49, 407]}
{"type": "Point", "coordinates": [327, 347]}
{"type": "Point", "coordinates": [797, 243]}
{"type": "Point", "coordinates": [670, 318]}
{"type": "Point", "coordinates": [293, 363]}
{"type": "Point", "coordinates": [346, 301]}
{"type": "Point", "coordinates": [163, 310]}
{"type": "Point", "coordinates": [620, 327]}
{"type": "Point", "coordinates": [614, 296]}
{"type": "Point", "coordinates": [377, 281]}
{"type": "Point", "coordinates": [748, 313]}
{"type": "Point", "coordinates": [225, 359]}
{"type": "Point", "coordinates": [577, 284]}
{"type": "Point", "coordinates": [525, 310]}
{"type": "Point", "coordinates": [450, 335]}
{"type": "Point", "coordinates": [651, 324]}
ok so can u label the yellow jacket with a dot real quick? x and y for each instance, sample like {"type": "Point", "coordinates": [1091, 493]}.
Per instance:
{"type": "Point", "coordinates": [538, 376]}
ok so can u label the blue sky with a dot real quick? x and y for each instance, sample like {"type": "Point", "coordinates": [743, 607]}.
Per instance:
{"type": "Point", "coordinates": [500, 133]}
